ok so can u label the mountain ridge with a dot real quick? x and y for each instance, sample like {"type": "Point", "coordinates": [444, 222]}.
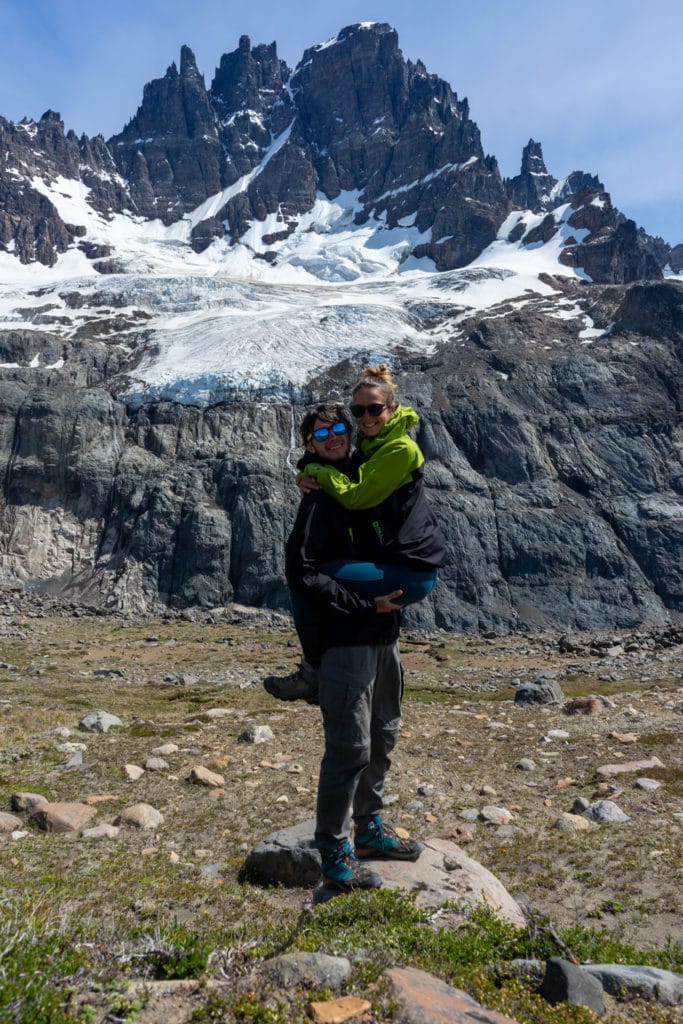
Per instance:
{"type": "Point", "coordinates": [360, 118]}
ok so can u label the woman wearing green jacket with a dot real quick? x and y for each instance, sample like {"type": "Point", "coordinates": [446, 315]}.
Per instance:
{"type": "Point", "coordinates": [395, 528]}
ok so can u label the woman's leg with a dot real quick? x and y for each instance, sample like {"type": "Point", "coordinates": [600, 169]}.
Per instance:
{"type": "Point", "coordinates": [375, 579]}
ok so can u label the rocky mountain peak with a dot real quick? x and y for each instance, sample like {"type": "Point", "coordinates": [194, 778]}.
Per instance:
{"type": "Point", "coordinates": [52, 117]}
{"type": "Point", "coordinates": [532, 159]}
{"type": "Point", "coordinates": [248, 79]}
{"type": "Point", "coordinates": [188, 64]}
{"type": "Point", "coordinates": [532, 189]}
{"type": "Point", "coordinates": [355, 116]}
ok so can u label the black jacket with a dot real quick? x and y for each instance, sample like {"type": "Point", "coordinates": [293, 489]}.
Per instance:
{"type": "Point", "coordinates": [325, 532]}
{"type": "Point", "coordinates": [402, 529]}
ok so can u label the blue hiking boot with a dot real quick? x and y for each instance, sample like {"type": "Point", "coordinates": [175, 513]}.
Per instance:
{"type": "Point", "coordinates": [380, 840]}
{"type": "Point", "coordinates": [342, 870]}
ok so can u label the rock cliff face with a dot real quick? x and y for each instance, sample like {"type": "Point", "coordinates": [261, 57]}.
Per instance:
{"type": "Point", "coordinates": [263, 142]}
{"type": "Point", "coordinates": [556, 471]}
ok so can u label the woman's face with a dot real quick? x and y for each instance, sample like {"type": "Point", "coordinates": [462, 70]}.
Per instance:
{"type": "Point", "coordinates": [335, 447]}
{"type": "Point", "coordinates": [367, 423]}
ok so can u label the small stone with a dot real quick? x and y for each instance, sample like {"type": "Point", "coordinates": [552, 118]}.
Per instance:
{"type": "Point", "coordinates": [9, 822]}
{"type": "Point", "coordinates": [624, 737]}
{"type": "Point", "coordinates": [219, 762]}
{"type": "Point", "coordinates": [26, 801]}
{"type": "Point", "coordinates": [557, 734]}
{"type": "Point", "coordinates": [337, 1011]}
{"type": "Point", "coordinates": [583, 706]}
{"type": "Point", "coordinates": [526, 764]}
{"type": "Point", "coordinates": [99, 721]}
{"type": "Point", "coordinates": [648, 785]}
{"type": "Point", "coordinates": [140, 816]}
{"type": "Point", "coordinates": [203, 777]}
{"type": "Point", "coordinates": [257, 734]}
{"type": "Point", "coordinates": [495, 815]}
{"type": "Point", "coordinates": [487, 791]}
{"type": "Point", "coordinates": [572, 823]}
{"type": "Point", "coordinates": [469, 814]}
{"type": "Point", "coordinates": [133, 771]}
{"type": "Point", "coordinates": [165, 750]}
{"type": "Point", "coordinates": [605, 811]}
{"type": "Point", "coordinates": [103, 831]}
{"type": "Point", "coordinates": [156, 764]}
{"type": "Point", "coordinates": [73, 761]}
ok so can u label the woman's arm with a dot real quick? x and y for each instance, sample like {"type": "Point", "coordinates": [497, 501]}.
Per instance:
{"type": "Point", "coordinates": [389, 468]}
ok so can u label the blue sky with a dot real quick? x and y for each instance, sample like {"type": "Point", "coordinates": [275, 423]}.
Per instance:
{"type": "Point", "coordinates": [597, 82]}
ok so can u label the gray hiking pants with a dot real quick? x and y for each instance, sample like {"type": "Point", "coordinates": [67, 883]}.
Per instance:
{"type": "Point", "coordinates": [360, 698]}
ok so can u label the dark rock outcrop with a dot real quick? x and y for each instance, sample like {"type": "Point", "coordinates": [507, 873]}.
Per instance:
{"type": "Point", "coordinates": [30, 225]}
{"type": "Point", "coordinates": [555, 471]}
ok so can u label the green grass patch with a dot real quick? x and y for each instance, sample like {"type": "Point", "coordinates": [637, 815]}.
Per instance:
{"type": "Point", "coordinates": [38, 966]}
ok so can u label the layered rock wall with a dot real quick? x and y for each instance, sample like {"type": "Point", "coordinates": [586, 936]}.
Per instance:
{"type": "Point", "coordinates": [556, 473]}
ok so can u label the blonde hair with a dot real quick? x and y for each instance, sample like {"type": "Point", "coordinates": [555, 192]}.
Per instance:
{"type": "Point", "coordinates": [377, 377]}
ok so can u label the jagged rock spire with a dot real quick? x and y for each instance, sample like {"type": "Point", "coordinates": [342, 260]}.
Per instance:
{"type": "Point", "coordinates": [188, 63]}
{"type": "Point", "coordinates": [532, 159]}
{"type": "Point", "coordinates": [532, 187]}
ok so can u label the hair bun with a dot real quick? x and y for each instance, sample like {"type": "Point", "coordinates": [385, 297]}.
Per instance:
{"type": "Point", "coordinates": [380, 372]}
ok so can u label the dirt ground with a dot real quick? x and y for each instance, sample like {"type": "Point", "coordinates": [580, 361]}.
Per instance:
{"type": "Point", "coordinates": [461, 742]}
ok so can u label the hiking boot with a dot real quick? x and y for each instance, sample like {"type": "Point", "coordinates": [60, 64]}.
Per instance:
{"type": "Point", "coordinates": [342, 870]}
{"type": "Point", "coordinates": [380, 840]}
{"type": "Point", "coordinates": [299, 685]}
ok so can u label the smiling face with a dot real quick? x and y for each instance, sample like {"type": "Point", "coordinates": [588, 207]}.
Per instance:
{"type": "Point", "coordinates": [369, 395]}
{"type": "Point", "coordinates": [334, 448]}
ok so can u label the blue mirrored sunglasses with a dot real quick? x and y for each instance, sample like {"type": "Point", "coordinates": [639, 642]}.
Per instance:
{"type": "Point", "coordinates": [322, 433]}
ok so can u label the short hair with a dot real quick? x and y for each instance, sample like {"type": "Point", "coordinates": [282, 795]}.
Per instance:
{"type": "Point", "coordinates": [330, 412]}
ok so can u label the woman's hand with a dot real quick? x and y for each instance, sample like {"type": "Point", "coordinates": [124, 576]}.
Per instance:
{"type": "Point", "coordinates": [306, 484]}
{"type": "Point", "coordinates": [386, 603]}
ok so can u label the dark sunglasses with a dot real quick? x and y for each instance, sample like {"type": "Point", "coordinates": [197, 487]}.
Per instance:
{"type": "Point", "coordinates": [375, 408]}
{"type": "Point", "coordinates": [322, 433]}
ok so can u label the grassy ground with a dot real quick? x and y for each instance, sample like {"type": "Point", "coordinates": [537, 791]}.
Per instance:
{"type": "Point", "coordinates": [81, 918]}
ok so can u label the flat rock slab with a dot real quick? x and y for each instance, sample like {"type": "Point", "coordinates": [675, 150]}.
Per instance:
{"type": "Point", "coordinates": [608, 771]}
{"type": "Point", "coordinates": [337, 1011]}
{"type": "Point", "coordinates": [647, 982]}
{"type": "Point", "coordinates": [443, 872]}
{"type": "Point", "coordinates": [62, 817]}
{"type": "Point", "coordinates": [424, 999]}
